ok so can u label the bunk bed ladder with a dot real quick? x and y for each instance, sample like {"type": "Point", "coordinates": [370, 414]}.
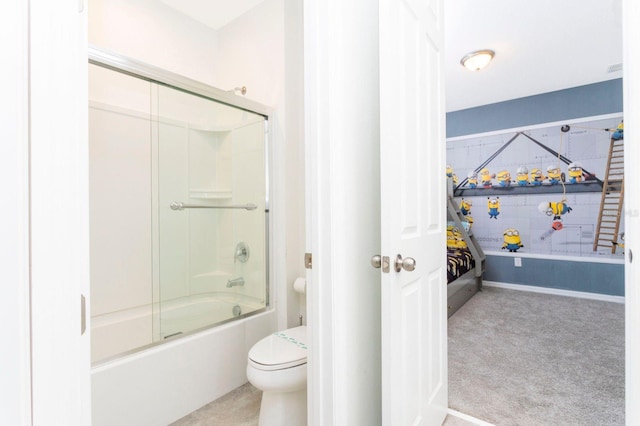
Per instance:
{"type": "Point", "coordinates": [612, 199]}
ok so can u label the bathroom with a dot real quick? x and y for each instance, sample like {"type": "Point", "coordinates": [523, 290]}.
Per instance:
{"type": "Point", "coordinates": [134, 349]}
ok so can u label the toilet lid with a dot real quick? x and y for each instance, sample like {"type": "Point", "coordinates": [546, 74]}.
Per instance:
{"type": "Point", "coordinates": [282, 349]}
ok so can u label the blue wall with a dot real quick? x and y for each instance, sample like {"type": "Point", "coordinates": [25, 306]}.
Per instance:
{"type": "Point", "coordinates": [589, 277]}
{"type": "Point", "coordinates": [578, 102]}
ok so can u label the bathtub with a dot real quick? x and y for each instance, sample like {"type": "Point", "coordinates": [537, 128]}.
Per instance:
{"type": "Point", "coordinates": [120, 332]}
{"type": "Point", "coordinates": [162, 383]}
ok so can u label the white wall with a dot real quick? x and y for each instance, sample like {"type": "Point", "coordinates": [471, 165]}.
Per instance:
{"type": "Point", "coordinates": [151, 32]}
{"type": "Point", "coordinates": [262, 50]}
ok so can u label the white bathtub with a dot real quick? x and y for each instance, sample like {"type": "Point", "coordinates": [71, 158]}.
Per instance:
{"type": "Point", "coordinates": [165, 382]}
{"type": "Point", "coordinates": [124, 331]}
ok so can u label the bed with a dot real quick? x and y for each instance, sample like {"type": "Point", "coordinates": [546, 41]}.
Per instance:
{"type": "Point", "coordinates": [465, 258]}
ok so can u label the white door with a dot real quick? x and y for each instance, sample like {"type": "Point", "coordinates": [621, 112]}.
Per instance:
{"type": "Point", "coordinates": [413, 212]}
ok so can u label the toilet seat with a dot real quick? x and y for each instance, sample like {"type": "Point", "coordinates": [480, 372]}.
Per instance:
{"type": "Point", "coordinates": [280, 350]}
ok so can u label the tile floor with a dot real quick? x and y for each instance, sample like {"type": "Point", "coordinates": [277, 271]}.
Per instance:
{"type": "Point", "coordinates": [241, 407]}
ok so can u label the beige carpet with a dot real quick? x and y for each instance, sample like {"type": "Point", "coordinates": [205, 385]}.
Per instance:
{"type": "Point", "coordinates": [240, 407]}
{"type": "Point", "coordinates": [519, 358]}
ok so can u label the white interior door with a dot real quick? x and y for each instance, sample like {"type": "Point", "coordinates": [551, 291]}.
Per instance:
{"type": "Point", "coordinates": [414, 320]}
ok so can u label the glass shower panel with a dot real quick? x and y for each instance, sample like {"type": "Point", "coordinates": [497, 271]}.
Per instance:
{"type": "Point", "coordinates": [120, 207]}
{"type": "Point", "coordinates": [210, 192]}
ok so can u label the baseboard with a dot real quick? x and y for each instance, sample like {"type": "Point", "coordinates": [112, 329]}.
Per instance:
{"type": "Point", "coordinates": [555, 291]}
{"type": "Point", "coordinates": [467, 418]}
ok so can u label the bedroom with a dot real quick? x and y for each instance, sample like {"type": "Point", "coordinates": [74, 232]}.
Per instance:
{"type": "Point", "coordinates": [586, 97]}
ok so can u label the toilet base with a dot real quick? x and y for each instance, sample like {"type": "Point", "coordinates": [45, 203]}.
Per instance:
{"type": "Point", "coordinates": [283, 408]}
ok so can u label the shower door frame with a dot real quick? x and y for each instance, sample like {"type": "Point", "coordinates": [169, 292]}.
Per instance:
{"type": "Point", "coordinates": [112, 61]}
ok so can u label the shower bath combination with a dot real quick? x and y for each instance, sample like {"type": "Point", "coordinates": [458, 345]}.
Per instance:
{"type": "Point", "coordinates": [192, 170]}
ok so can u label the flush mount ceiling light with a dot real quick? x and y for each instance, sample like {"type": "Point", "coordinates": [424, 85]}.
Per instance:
{"type": "Point", "coordinates": [477, 60]}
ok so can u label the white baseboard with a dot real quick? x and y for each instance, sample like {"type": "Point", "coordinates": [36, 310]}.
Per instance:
{"type": "Point", "coordinates": [555, 291]}
{"type": "Point", "coordinates": [468, 418]}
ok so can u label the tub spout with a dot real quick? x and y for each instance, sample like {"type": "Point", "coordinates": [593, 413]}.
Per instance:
{"type": "Point", "coordinates": [235, 282]}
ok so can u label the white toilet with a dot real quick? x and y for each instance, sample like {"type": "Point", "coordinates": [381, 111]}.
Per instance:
{"type": "Point", "coordinates": [277, 365]}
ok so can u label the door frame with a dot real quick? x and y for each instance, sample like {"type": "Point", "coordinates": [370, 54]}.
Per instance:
{"type": "Point", "coordinates": [342, 214]}
{"type": "Point", "coordinates": [631, 100]}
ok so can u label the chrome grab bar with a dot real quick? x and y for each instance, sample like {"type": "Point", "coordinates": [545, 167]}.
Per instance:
{"type": "Point", "coordinates": [178, 205]}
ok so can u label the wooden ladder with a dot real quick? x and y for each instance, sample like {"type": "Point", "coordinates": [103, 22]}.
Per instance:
{"type": "Point", "coordinates": [612, 199]}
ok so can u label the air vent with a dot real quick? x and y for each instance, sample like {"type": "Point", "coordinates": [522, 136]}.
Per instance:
{"type": "Point", "coordinates": [614, 68]}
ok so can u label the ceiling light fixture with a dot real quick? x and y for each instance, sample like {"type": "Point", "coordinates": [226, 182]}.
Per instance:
{"type": "Point", "coordinates": [477, 60]}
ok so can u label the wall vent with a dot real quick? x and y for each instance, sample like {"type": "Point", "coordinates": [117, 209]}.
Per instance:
{"type": "Point", "coordinates": [614, 68]}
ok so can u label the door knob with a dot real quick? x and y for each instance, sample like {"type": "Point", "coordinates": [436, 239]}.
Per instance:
{"type": "Point", "coordinates": [378, 261]}
{"type": "Point", "coordinates": [408, 264]}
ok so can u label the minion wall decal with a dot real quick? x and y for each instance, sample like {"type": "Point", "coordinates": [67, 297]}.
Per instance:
{"type": "Point", "coordinates": [554, 175]}
{"type": "Point", "coordinates": [485, 178]}
{"type": "Point", "coordinates": [504, 178]}
{"type": "Point", "coordinates": [451, 174]}
{"type": "Point", "coordinates": [493, 207]}
{"type": "Point", "coordinates": [537, 177]}
{"type": "Point", "coordinates": [465, 206]}
{"type": "Point", "coordinates": [522, 176]}
{"type": "Point", "coordinates": [575, 172]}
{"type": "Point", "coordinates": [472, 179]}
{"type": "Point", "coordinates": [620, 243]}
{"type": "Point", "coordinates": [455, 238]}
{"type": "Point", "coordinates": [619, 133]}
{"type": "Point", "coordinates": [555, 209]}
{"type": "Point", "coordinates": [511, 240]}
{"type": "Point", "coordinates": [469, 220]}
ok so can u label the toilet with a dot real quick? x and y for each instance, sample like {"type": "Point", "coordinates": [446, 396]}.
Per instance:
{"type": "Point", "coordinates": [277, 365]}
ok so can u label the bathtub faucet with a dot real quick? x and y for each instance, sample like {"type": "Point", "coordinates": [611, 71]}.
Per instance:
{"type": "Point", "coordinates": [236, 281]}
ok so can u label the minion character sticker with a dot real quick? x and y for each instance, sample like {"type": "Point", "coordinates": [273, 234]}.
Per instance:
{"type": "Point", "coordinates": [511, 238]}
{"type": "Point", "coordinates": [522, 176]}
{"type": "Point", "coordinates": [554, 175]}
{"type": "Point", "coordinates": [465, 207]}
{"type": "Point", "coordinates": [451, 174]}
{"type": "Point", "coordinates": [555, 209]}
{"type": "Point", "coordinates": [485, 178]}
{"type": "Point", "coordinates": [493, 207]}
{"type": "Point", "coordinates": [575, 172]}
{"type": "Point", "coordinates": [537, 177]}
{"type": "Point", "coordinates": [504, 178]}
{"type": "Point", "coordinates": [472, 180]}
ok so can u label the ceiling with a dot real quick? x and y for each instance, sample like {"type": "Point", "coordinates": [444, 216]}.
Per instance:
{"type": "Point", "coordinates": [213, 13]}
{"type": "Point", "coordinates": [540, 45]}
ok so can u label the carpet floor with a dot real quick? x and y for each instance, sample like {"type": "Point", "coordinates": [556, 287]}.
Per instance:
{"type": "Point", "coordinates": [521, 358]}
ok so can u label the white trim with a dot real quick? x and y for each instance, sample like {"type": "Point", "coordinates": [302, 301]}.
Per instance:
{"type": "Point", "coordinates": [556, 291]}
{"type": "Point", "coordinates": [468, 418]}
{"type": "Point", "coordinates": [535, 126]}
{"type": "Point", "coordinates": [15, 366]}
{"type": "Point", "coordinates": [587, 259]}
{"type": "Point", "coordinates": [631, 87]}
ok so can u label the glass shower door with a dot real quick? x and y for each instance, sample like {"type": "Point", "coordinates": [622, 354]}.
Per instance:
{"type": "Point", "coordinates": [210, 262]}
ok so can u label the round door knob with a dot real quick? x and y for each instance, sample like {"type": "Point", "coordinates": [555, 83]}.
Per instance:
{"type": "Point", "coordinates": [376, 261]}
{"type": "Point", "coordinates": [408, 264]}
